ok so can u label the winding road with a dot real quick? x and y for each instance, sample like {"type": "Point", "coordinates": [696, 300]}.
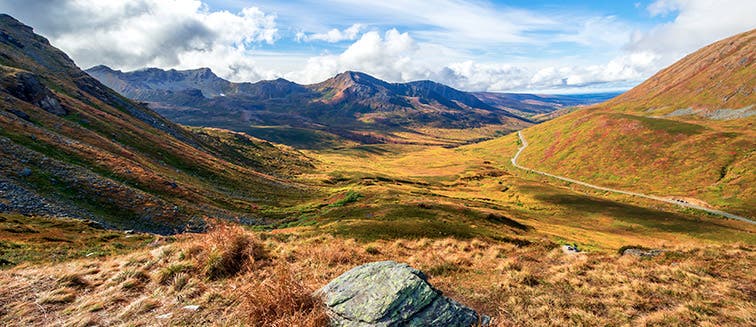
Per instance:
{"type": "Point", "coordinates": [652, 197]}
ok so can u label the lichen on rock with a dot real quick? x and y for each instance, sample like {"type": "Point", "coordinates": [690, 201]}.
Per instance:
{"type": "Point", "coordinates": [388, 293]}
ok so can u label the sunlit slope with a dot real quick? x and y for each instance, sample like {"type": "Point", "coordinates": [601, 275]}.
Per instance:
{"type": "Point", "coordinates": [69, 146]}
{"type": "Point", "coordinates": [687, 132]}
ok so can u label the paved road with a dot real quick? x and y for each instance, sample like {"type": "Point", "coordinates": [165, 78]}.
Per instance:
{"type": "Point", "coordinates": [652, 197]}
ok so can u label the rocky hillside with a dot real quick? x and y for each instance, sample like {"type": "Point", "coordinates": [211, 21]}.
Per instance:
{"type": "Point", "coordinates": [70, 146]}
{"type": "Point", "coordinates": [687, 132]}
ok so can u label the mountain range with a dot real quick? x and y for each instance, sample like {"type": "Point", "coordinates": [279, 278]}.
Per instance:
{"type": "Point", "coordinates": [351, 105]}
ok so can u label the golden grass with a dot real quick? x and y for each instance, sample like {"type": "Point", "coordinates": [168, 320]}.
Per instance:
{"type": "Point", "coordinates": [480, 178]}
{"type": "Point", "coordinates": [529, 285]}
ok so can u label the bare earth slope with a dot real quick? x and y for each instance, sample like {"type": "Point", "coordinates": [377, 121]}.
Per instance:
{"type": "Point", "coordinates": [688, 131]}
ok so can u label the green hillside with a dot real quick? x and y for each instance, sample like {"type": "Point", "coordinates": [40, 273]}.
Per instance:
{"type": "Point", "coordinates": [687, 132]}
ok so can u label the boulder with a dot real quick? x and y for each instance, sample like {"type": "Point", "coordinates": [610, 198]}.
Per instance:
{"type": "Point", "coordinates": [641, 252]}
{"type": "Point", "coordinates": [26, 172]}
{"type": "Point", "coordinates": [388, 293]}
{"type": "Point", "coordinates": [29, 88]}
{"type": "Point", "coordinates": [571, 249]}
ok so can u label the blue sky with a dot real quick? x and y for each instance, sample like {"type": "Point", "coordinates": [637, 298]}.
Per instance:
{"type": "Point", "coordinates": [524, 46]}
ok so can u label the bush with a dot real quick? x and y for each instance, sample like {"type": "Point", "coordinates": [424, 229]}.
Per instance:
{"type": "Point", "coordinates": [226, 250]}
{"type": "Point", "coordinates": [349, 197]}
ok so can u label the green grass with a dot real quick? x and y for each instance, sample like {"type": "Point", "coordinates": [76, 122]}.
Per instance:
{"type": "Point", "coordinates": [294, 136]}
{"type": "Point", "coordinates": [25, 239]}
{"type": "Point", "coordinates": [388, 220]}
{"type": "Point", "coordinates": [666, 125]}
{"type": "Point", "coordinates": [349, 197]}
{"type": "Point", "coordinates": [705, 161]}
{"type": "Point", "coordinates": [412, 228]}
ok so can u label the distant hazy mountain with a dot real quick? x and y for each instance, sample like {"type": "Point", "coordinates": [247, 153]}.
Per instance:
{"type": "Point", "coordinates": [530, 104]}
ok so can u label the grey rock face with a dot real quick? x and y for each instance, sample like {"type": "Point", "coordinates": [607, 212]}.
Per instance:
{"type": "Point", "coordinates": [27, 87]}
{"type": "Point", "coordinates": [388, 293]}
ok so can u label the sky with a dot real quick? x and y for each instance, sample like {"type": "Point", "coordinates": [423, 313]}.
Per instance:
{"type": "Point", "coordinates": [537, 46]}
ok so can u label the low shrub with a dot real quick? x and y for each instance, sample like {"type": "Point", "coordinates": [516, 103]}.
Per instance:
{"type": "Point", "coordinates": [349, 197]}
{"type": "Point", "coordinates": [226, 250]}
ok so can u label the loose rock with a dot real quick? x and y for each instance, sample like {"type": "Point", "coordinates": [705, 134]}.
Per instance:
{"type": "Point", "coordinates": [388, 293]}
{"type": "Point", "coordinates": [570, 249]}
{"type": "Point", "coordinates": [641, 252]}
{"type": "Point", "coordinates": [26, 172]}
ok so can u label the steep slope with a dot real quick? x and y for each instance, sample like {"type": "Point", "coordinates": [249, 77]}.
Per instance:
{"type": "Point", "coordinates": [351, 105]}
{"type": "Point", "coordinates": [687, 132]}
{"type": "Point", "coordinates": [70, 146]}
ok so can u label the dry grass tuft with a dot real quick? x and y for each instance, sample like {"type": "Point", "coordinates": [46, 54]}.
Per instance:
{"type": "Point", "coordinates": [281, 300]}
{"type": "Point", "coordinates": [227, 250]}
{"type": "Point", "coordinates": [74, 281]}
{"type": "Point", "coordinates": [60, 296]}
{"type": "Point", "coordinates": [689, 284]}
{"type": "Point", "coordinates": [167, 275]}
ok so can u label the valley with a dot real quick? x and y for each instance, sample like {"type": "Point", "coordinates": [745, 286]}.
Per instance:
{"type": "Point", "coordinates": [176, 197]}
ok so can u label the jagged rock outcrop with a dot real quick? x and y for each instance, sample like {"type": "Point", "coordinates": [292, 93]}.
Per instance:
{"type": "Point", "coordinates": [27, 87]}
{"type": "Point", "coordinates": [388, 293]}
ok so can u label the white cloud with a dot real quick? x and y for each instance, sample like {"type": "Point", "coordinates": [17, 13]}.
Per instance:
{"type": "Point", "coordinates": [332, 36]}
{"type": "Point", "coordinates": [390, 56]}
{"type": "Point", "coordinates": [397, 56]}
{"type": "Point", "coordinates": [159, 33]}
{"type": "Point", "coordinates": [471, 45]}
{"type": "Point", "coordinates": [476, 23]}
{"type": "Point", "coordinates": [698, 23]}
{"type": "Point", "coordinates": [501, 77]}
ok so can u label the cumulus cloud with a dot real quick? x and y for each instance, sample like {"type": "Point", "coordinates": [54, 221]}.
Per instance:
{"type": "Point", "coordinates": [389, 56]}
{"type": "Point", "coordinates": [332, 36]}
{"type": "Point", "coordinates": [397, 56]}
{"type": "Point", "coordinates": [471, 45]}
{"type": "Point", "coordinates": [160, 33]}
{"type": "Point", "coordinates": [697, 23]}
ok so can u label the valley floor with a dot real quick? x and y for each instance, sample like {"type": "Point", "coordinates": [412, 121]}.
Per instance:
{"type": "Point", "coordinates": [486, 233]}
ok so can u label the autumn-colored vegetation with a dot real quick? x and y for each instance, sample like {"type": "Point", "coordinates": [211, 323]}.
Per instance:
{"type": "Point", "coordinates": [685, 132]}
{"type": "Point", "coordinates": [534, 284]}
{"type": "Point", "coordinates": [280, 223]}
